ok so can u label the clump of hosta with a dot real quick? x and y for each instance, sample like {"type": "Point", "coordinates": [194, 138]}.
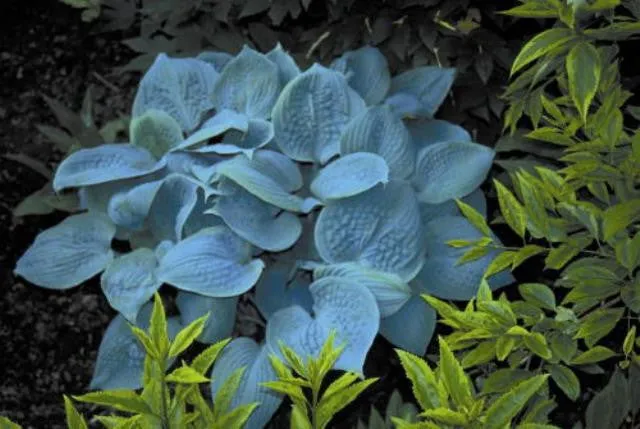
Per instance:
{"type": "Point", "coordinates": [331, 190]}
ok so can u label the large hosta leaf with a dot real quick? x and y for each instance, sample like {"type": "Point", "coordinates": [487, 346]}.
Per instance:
{"type": "Point", "coordinates": [440, 276]}
{"type": "Point", "coordinates": [249, 84]}
{"type": "Point", "coordinates": [450, 170]}
{"type": "Point", "coordinates": [350, 175]}
{"type": "Point", "coordinates": [104, 163]}
{"type": "Point", "coordinates": [287, 67]}
{"type": "Point", "coordinates": [268, 175]}
{"type": "Point", "coordinates": [379, 131]}
{"type": "Point", "coordinates": [181, 87]}
{"type": "Point", "coordinates": [390, 291]}
{"type": "Point", "coordinates": [171, 207]}
{"type": "Point", "coordinates": [215, 59]}
{"type": "Point", "coordinates": [156, 131]}
{"type": "Point", "coordinates": [71, 252]}
{"type": "Point", "coordinates": [425, 132]}
{"type": "Point", "coordinates": [220, 123]}
{"type": "Point", "coordinates": [339, 304]}
{"type": "Point", "coordinates": [200, 218]}
{"type": "Point", "coordinates": [214, 262]}
{"type": "Point", "coordinates": [129, 209]}
{"type": "Point", "coordinates": [261, 224]}
{"type": "Point", "coordinates": [221, 320]}
{"type": "Point", "coordinates": [411, 327]}
{"type": "Point", "coordinates": [259, 133]}
{"type": "Point", "coordinates": [276, 290]}
{"type": "Point", "coordinates": [380, 229]}
{"type": "Point", "coordinates": [476, 199]}
{"type": "Point", "coordinates": [120, 360]}
{"type": "Point", "coordinates": [420, 91]}
{"type": "Point", "coordinates": [244, 352]}
{"type": "Point", "coordinates": [367, 71]}
{"type": "Point", "coordinates": [130, 281]}
{"type": "Point", "coordinates": [311, 113]}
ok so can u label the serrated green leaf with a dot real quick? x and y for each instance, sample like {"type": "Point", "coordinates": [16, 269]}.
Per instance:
{"type": "Point", "coordinates": [186, 375]}
{"type": "Point", "coordinates": [593, 355]}
{"type": "Point", "coordinates": [341, 383]}
{"type": "Point", "coordinates": [482, 353]}
{"type": "Point", "coordinates": [146, 342]}
{"type": "Point", "coordinates": [598, 324]}
{"type": "Point", "coordinates": [446, 416]}
{"type": "Point", "coordinates": [237, 417]}
{"type": "Point", "coordinates": [222, 401]}
{"type": "Point", "coordinates": [331, 405]}
{"type": "Point", "coordinates": [474, 217]}
{"type": "Point", "coordinates": [299, 418]}
{"type": "Point", "coordinates": [204, 360]}
{"type": "Point", "coordinates": [423, 380]}
{"type": "Point", "coordinates": [454, 377]}
{"type": "Point", "coordinates": [472, 254]}
{"type": "Point", "coordinates": [511, 209]}
{"type": "Point", "coordinates": [187, 336]}
{"type": "Point", "coordinates": [540, 45]}
{"type": "Point", "coordinates": [292, 390]}
{"type": "Point", "coordinates": [158, 326]}
{"type": "Point", "coordinates": [500, 263]}
{"type": "Point", "coordinates": [121, 400]}
{"type": "Point", "coordinates": [294, 361]}
{"type": "Point", "coordinates": [507, 406]}
{"type": "Point", "coordinates": [538, 294]}
{"type": "Point", "coordinates": [533, 9]}
{"type": "Point", "coordinates": [629, 339]}
{"type": "Point", "coordinates": [73, 417]}
{"type": "Point", "coordinates": [583, 71]}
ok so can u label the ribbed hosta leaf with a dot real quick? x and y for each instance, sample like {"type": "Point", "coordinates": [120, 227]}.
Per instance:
{"type": "Point", "coordinates": [221, 320]}
{"type": "Point", "coordinates": [425, 132]}
{"type": "Point", "coordinates": [287, 67]}
{"type": "Point", "coordinates": [367, 72]}
{"type": "Point", "coordinates": [171, 207]}
{"type": "Point", "coordinates": [70, 253]}
{"type": "Point", "coordinates": [420, 91]}
{"type": "Point", "coordinates": [380, 229]}
{"type": "Point", "coordinates": [276, 290]}
{"type": "Point", "coordinates": [411, 327]}
{"type": "Point", "coordinates": [214, 262]}
{"type": "Point", "coordinates": [311, 113]}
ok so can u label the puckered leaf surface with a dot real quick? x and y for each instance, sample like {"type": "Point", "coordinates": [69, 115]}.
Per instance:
{"type": "Point", "coordinates": [425, 132]}
{"type": "Point", "coordinates": [367, 71]}
{"type": "Point", "coordinates": [420, 91]}
{"type": "Point", "coordinates": [287, 67]}
{"type": "Point", "coordinates": [69, 253]}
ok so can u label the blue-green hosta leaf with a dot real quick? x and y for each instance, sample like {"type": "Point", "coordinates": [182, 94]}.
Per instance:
{"type": "Point", "coordinates": [200, 166]}
{"type": "Point", "coordinates": [440, 276]}
{"type": "Point", "coordinates": [420, 91]}
{"type": "Point", "coordinates": [220, 123]}
{"type": "Point", "coordinates": [410, 328]}
{"type": "Point", "coordinates": [476, 199]}
{"type": "Point", "coordinates": [181, 87]}
{"type": "Point", "coordinates": [448, 170]}
{"type": "Point", "coordinates": [287, 67]}
{"type": "Point", "coordinates": [215, 59]}
{"type": "Point", "coordinates": [130, 281]}
{"type": "Point", "coordinates": [214, 262]}
{"type": "Point", "coordinates": [339, 304]}
{"type": "Point", "coordinates": [379, 228]}
{"type": "Point", "coordinates": [129, 209]}
{"type": "Point", "coordinates": [275, 290]}
{"type": "Point", "coordinates": [261, 224]}
{"type": "Point", "coordinates": [258, 135]}
{"type": "Point", "coordinates": [244, 352]}
{"type": "Point", "coordinates": [367, 71]}
{"type": "Point", "coordinates": [70, 253]}
{"type": "Point", "coordinates": [104, 163]}
{"type": "Point", "coordinates": [120, 360]}
{"type": "Point", "coordinates": [97, 197]}
{"type": "Point", "coordinates": [171, 207]}
{"type": "Point", "coordinates": [350, 175]}
{"type": "Point", "coordinates": [268, 175]}
{"type": "Point", "coordinates": [311, 113]}
{"type": "Point", "coordinates": [162, 248]}
{"type": "Point", "coordinates": [425, 132]}
{"type": "Point", "coordinates": [249, 84]}
{"type": "Point", "coordinates": [379, 131]}
{"type": "Point", "coordinates": [390, 291]}
{"type": "Point", "coordinates": [221, 320]}
{"type": "Point", "coordinates": [155, 131]}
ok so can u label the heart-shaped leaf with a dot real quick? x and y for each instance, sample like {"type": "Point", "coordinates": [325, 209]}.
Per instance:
{"type": "Point", "coordinates": [425, 132]}
{"type": "Point", "coordinates": [287, 67]}
{"type": "Point", "coordinates": [411, 327]}
{"type": "Point", "coordinates": [221, 320]}
{"type": "Point", "coordinates": [70, 253]}
{"type": "Point", "coordinates": [420, 91]}
{"type": "Point", "coordinates": [171, 207]}
{"type": "Point", "coordinates": [367, 71]}
{"type": "Point", "coordinates": [276, 290]}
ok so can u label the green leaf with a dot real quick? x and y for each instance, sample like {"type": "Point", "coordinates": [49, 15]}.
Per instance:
{"type": "Point", "coordinates": [610, 407]}
{"type": "Point", "coordinates": [566, 380]}
{"type": "Point", "coordinates": [187, 335]}
{"type": "Point", "coordinates": [584, 71]}
{"type": "Point", "coordinates": [186, 375]}
{"type": "Point", "coordinates": [74, 418]}
{"type": "Point", "coordinates": [630, 294]}
{"type": "Point", "coordinates": [511, 209]}
{"type": "Point", "coordinates": [619, 217]}
{"type": "Point", "coordinates": [504, 346]}
{"type": "Point", "coordinates": [533, 9]}
{"type": "Point", "coordinates": [551, 135]}
{"type": "Point", "coordinates": [158, 326]}
{"type": "Point", "coordinates": [294, 361]}
{"type": "Point", "coordinates": [121, 400]}
{"type": "Point", "coordinates": [204, 360]}
{"type": "Point", "coordinates": [331, 405]}
{"type": "Point", "coordinates": [537, 343]}
{"type": "Point", "coordinates": [629, 339]}
{"type": "Point", "coordinates": [454, 377]}
{"type": "Point", "coordinates": [538, 294]}
{"type": "Point", "coordinates": [614, 32]}
{"type": "Point", "coordinates": [472, 254]}
{"type": "Point", "coordinates": [628, 252]}
{"type": "Point", "coordinates": [598, 324]}
{"type": "Point", "coordinates": [563, 346]}
{"type": "Point", "coordinates": [482, 353]}
{"type": "Point", "coordinates": [502, 380]}
{"type": "Point", "coordinates": [423, 380]}
{"type": "Point", "coordinates": [344, 381]}
{"type": "Point", "coordinates": [500, 263]}
{"type": "Point", "coordinates": [222, 401]}
{"type": "Point", "coordinates": [525, 253]}
{"type": "Point", "coordinates": [299, 418]}
{"type": "Point", "coordinates": [593, 355]}
{"type": "Point", "coordinates": [237, 417]}
{"type": "Point", "coordinates": [560, 256]}
{"type": "Point", "coordinates": [146, 342]}
{"type": "Point", "coordinates": [286, 388]}
{"type": "Point", "coordinates": [474, 217]}
{"type": "Point", "coordinates": [507, 406]}
{"type": "Point", "coordinates": [540, 45]}
{"type": "Point", "coordinates": [446, 416]}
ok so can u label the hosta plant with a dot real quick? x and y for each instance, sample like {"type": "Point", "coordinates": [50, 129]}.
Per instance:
{"type": "Point", "coordinates": [331, 190]}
